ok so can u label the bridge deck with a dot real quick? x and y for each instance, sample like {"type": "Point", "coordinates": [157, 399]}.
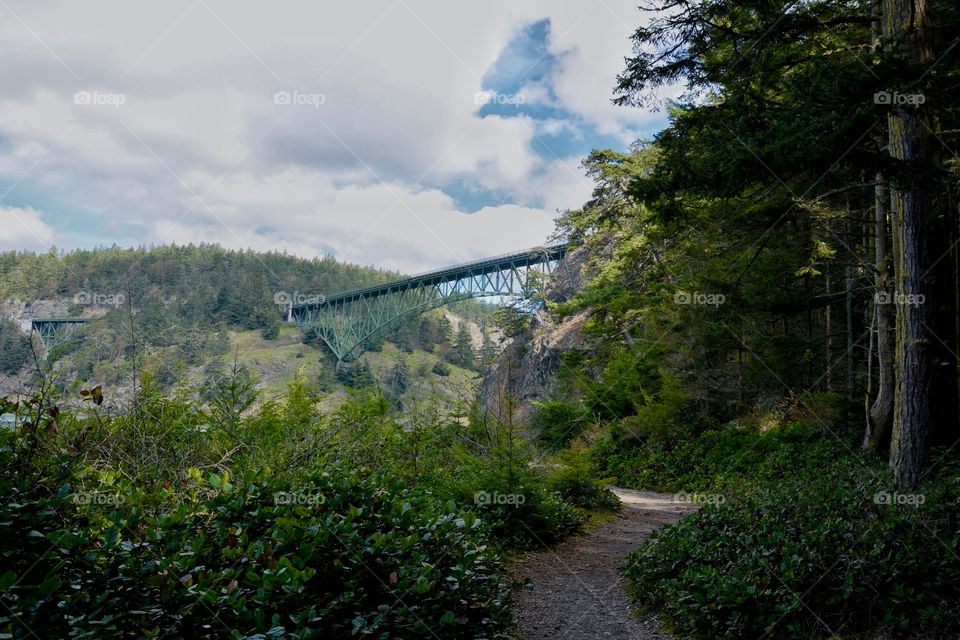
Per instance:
{"type": "Point", "coordinates": [446, 274]}
{"type": "Point", "coordinates": [60, 320]}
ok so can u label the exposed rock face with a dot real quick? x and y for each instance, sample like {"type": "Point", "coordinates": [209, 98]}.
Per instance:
{"type": "Point", "coordinates": [22, 311]}
{"type": "Point", "coordinates": [526, 370]}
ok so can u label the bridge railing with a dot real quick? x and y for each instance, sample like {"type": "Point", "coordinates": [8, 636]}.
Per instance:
{"type": "Point", "coordinates": [387, 286]}
{"type": "Point", "coordinates": [474, 263]}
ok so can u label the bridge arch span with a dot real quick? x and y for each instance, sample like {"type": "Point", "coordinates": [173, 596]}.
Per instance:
{"type": "Point", "coordinates": [349, 323]}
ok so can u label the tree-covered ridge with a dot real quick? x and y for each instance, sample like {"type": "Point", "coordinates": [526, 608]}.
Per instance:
{"type": "Point", "coordinates": [203, 279]}
{"type": "Point", "coordinates": [170, 312]}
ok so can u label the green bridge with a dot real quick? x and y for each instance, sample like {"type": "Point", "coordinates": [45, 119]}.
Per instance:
{"type": "Point", "coordinates": [351, 322]}
{"type": "Point", "coordinates": [54, 332]}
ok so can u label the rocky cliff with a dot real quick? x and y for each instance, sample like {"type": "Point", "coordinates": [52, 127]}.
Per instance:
{"type": "Point", "coordinates": [526, 370]}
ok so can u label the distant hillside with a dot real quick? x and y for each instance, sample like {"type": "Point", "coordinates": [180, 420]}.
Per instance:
{"type": "Point", "coordinates": [201, 282]}
{"type": "Point", "coordinates": [179, 315]}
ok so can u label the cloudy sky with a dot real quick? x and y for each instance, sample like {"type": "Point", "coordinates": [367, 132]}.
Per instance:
{"type": "Point", "coordinates": [407, 134]}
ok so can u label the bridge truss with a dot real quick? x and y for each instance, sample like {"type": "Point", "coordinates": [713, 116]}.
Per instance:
{"type": "Point", "coordinates": [349, 323]}
{"type": "Point", "coordinates": [54, 332]}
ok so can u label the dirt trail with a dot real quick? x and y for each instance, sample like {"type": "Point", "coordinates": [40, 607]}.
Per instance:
{"type": "Point", "coordinates": [578, 593]}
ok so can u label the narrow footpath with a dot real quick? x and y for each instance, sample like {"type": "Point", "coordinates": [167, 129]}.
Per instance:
{"type": "Point", "coordinates": [578, 593]}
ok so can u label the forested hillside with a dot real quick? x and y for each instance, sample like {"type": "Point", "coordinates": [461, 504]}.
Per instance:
{"type": "Point", "coordinates": [181, 315]}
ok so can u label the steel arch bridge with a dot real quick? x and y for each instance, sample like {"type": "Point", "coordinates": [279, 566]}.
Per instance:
{"type": "Point", "coordinates": [351, 322]}
{"type": "Point", "coordinates": [54, 332]}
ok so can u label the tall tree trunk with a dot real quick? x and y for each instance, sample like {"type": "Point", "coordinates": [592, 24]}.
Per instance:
{"type": "Point", "coordinates": [848, 309]}
{"type": "Point", "coordinates": [828, 328]}
{"type": "Point", "coordinates": [918, 234]}
{"type": "Point", "coordinates": [880, 413]}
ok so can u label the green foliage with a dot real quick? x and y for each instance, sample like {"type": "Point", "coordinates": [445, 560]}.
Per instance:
{"type": "Point", "coordinates": [356, 375]}
{"type": "Point", "coordinates": [557, 423]}
{"type": "Point", "coordinates": [808, 552]}
{"type": "Point", "coordinates": [441, 369]}
{"type": "Point", "coordinates": [461, 352]}
{"type": "Point", "coordinates": [574, 480]}
{"type": "Point", "coordinates": [520, 512]}
{"type": "Point", "coordinates": [238, 522]}
{"type": "Point", "coordinates": [660, 449]}
{"type": "Point", "coordinates": [488, 352]}
{"type": "Point", "coordinates": [797, 538]}
{"type": "Point", "coordinates": [270, 328]}
{"type": "Point", "coordinates": [14, 347]}
{"type": "Point", "coordinates": [511, 321]}
{"type": "Point", "coordinates": [330, 555]}
{"type": "Point", "coordinates": [400, 376]}
{"type": "Point", "coordinates": [231, 395]}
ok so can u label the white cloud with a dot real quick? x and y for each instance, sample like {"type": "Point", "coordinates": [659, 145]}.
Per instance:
{"type": "Point", "coordinates": [198, 119]}
{"type": "Point", "coordinates": [24, 229]}
{"type": "Point", "coordinates": [389, 224]}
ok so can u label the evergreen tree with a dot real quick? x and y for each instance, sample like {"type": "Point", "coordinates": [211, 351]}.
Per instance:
{"type": "Point", "coordinates": [400, 376]}
{"type": "Point", "coordinates": [462, 353]}
{"type": "Point", "coordinates": [14, 347]}
{"type": "Point", "coordinates": [488, 351]}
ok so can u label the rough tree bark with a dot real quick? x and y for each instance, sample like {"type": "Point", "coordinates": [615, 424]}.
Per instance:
{"type": "Point", "coordinates": [880, 413]}
{"type": "Point", "coordinates": [917, 235]}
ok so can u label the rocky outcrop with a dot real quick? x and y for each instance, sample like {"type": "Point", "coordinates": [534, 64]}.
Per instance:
{"type": "Point", "coordinates": [22, 311]}
{"type": "Point", "coordinates": [526, 370]}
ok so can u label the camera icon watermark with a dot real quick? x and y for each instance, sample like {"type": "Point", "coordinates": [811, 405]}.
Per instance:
{"type": "Point", "coordinates": [298, 498]}
{"type": "Point", "coordinates": [907, 299]}
{"type": "Point", "coordinates": [894, 98]}
{"type": "Point", "coordinates": [492, 97]}
{"type": "Point", "coordinates": [481, 498]}
{"type": "Point", "coordinates": [699, 498]}
{"type": "Point", "coordinates": [99, 98]}
{"type": "Point", "coordinates": [297, 98]}
{"type": "Point", "coordinates": [97, 498]}
{"type": "Point", "coordinates": [908, 499]}
{"type": "Point", "coordinates": [94, 299]}
{"type": "Point", "coordinates": [286, 299]}
{"type": "Point", "coordinates": [697, 298]}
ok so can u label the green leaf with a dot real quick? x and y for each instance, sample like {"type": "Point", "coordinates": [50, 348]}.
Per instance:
{"type": "Point", "coordinates": [7, 580]}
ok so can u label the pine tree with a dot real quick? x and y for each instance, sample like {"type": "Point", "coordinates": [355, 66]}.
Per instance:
{"type": "Point", "coordinates": [462, 353]}
{"type": "Point", "coordinates": [400, 376]}
{"type": "Point", "coordinates": [488, 351]}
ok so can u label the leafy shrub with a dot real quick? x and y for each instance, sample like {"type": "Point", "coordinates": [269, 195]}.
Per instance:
{"type": "Point", "coordinates": [88, 551]}
{"type": "Point", "coordinates": [514, 502]}
{"type": "Point", "coordinates": [329, 556]}
{"type": "Point", "coordinates": [810, 552]}
{"type": "Point", "coordinates": [681, 459]}
{"type": "Point", "coordinates": [574, 481]}
{"type": "Point", "coordinates": [541, 519]}
{"type": "Point", "coordinates": [14, 347]}
{"type": "Point", "coordinates": [557, 423]}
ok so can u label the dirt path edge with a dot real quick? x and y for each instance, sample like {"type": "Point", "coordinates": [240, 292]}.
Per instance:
{"type": "Point", "coordinates": [578, 592]}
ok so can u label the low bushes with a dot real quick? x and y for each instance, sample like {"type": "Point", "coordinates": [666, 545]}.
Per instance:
{"type": "Point", "coordinates": [811, 539]}
{"type": "Point", "coordinates": [574, 481]}
{"type": "Point", "coordinates": [299, 524]}
{"type": "Point", "coordinates": [331, 555]}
